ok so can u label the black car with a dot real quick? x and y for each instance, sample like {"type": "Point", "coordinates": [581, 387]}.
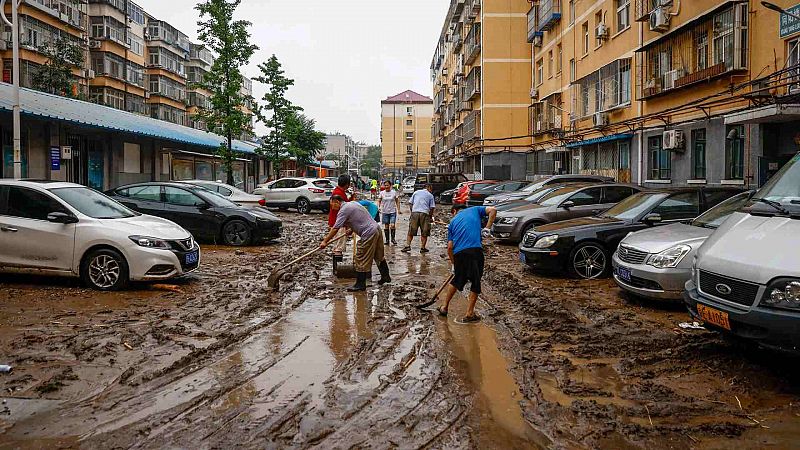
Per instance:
{"type": "Point", "coordinates": [207, 215]}
{"type": "Point", "coordinates": [477, 196]}
{"type": "Point", "coordinates": [584, 246]}
{"type": "Point", "coordinates": [439, 181]}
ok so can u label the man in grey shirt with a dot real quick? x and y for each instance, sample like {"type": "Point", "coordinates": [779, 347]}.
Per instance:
{"type": "Point", "coordinates": [357, 219]}
{"type": "Point", "coordinates": [422, 209]}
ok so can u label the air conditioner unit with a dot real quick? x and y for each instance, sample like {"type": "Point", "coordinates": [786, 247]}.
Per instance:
{"type": "Point", "coordinates": [602, 31]}
{"type": "Point", "coordinates": [537, 41]}
{"type": "Point", "coordinates": [669, 79]}
{"type": "Point", "coordinates": [146, 36]}
{"type": "Point", "coordinates": [673, 140]}
{"type": "Point", "coordinates": [64, 17]}
{"type": "Point", "coordinates": [95, 44]}
{"type": "Point", "coordinates": [534, 93]}
{"type": "Point", "coordinates": [89, 73]}
{"type": "Point", "coordinates": [600, 119]}
{"type": "Point", "coordinates": [659, 19]}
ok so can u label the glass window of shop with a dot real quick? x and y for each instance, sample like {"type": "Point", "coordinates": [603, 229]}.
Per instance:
{"type": "Point", "coordinates": [182, 169]}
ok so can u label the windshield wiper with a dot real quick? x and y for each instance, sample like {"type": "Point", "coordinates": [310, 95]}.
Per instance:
{"type": "Point", "coordinates": [778, 207]}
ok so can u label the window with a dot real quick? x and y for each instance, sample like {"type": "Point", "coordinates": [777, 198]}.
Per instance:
{"type": "Point", "coordinates": [409, 110]}
{"type": "Point", "coordinates": [660, 160]}
{"type": "Point", "coordinates": [714, 197]}
{"type": "Point", "coordinates": [409, 161]}
{"type": "Point", "coordinates": [734, 154]}
{"type": "Point", "coordinates": [224, 191]}
{"type": "Point", "coordinates": [624, 149]}
{"type": "Point", "coordinates": [598, 19]}
{"type": "Point", "coordinates": [409, 149]}
{"type": "Point", "coordinates": [550, 64]}
{"type": "Point", "coordinates": [136, 44]}
{"type": "Point", "coordinates": [146, 193]}
{"type": "Point", "coordinates": [409, 122]}
{"type": "Point", "coordinates": [699, 154]}
{"type": "Point", "coordinates": [539, 72]}
{"type": "Point", "coordinates": [605, 89]}
{"type": "Point", "coordinates": [30, 204]}
{"type": "Point", "coordinates": [702, 50]}
{"type": "Point", "coordinates": [571, 12]}
{"type": "Point", "coordinates": [571, 70]}
{"type": "Point", "coordinates": [793, 61]}
{"type": "Point", "coordinates": [585, 32]}
{"type": "Point", "coordinates": [586, 197]}
{"type": "Point", "coordinates": [409, 135]}
{"type": "Point", "coordinates": [131, 161]}
{"type": "Point", "coordinates": [181, 197]}
{"type": "Point", "coordinates": [685, 205]}
{"type": "Point", "coordinates": [559, 58]}
{"type": "Point", "coordinates": [623, 14]}
{"type": "Point", "coordinates": [616, 194]}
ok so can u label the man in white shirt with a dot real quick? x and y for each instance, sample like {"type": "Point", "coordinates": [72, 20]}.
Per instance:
{"type": "Point", "coordinates": [422, 209]}
{"type": "Point", "coordinates": [389, 204]}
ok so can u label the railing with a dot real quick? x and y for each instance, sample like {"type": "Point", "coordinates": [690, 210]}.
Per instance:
{"type": "Point", "coordinates": [472, 126]}
{"type": "Point", "coordinates": [459, 132]}
{"type": "Point", "coordinates": [548, 14]}
{"type": "Point", "coordinates": [602, 90]}
{"type": "Point", "coordinates": [546, 115]}
{"type": "Point", "coordinates": [473, 9]}
{"type": "Point", "coordinates": [644, 7]}
{"type": "Point", "coordinates": [473, 43]}
{"type": "Point", "coordinates": [532, 24]}
{"type": "Point", "coordinates": [472, 87]}
{"type": "Point", "coordinates": [67, 10]}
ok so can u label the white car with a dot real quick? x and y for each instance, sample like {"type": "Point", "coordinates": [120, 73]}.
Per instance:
{"type": "Point", "coordinates": [66, 229]}
{"type": "Point", "coordinates": [408, 186]}
{"type": "Point", "coordinates": [304, 194]}
{"type": "Point", "coordinates": [232, 193]}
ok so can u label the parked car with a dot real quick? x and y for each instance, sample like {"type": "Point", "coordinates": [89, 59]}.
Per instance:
{"type": "Point", "coordinates": [584, 246]}
{"type": "Point", "coordinates": [534, 197]}
{"type": "Point", "coordinates": [305, 194]}
{"type": "Point", "coordinates": [232, 193]}
{"type": "Point", "coordinates": [477, 196]}
{"type": "Point", "coordinates": [446, 197]}
{"type": "Point", "coordinates": [408, 185]}
{"type": "Point", "coordinates": [466, 189]}
{"type": "Point", "coordinates": [746, 276]}
{"type": "Point", "coordinates": [208, 216]}
{"type": "Point", "coordinates": [66, 229]}
{"type": "Point", "coordinates": [497, 199]}
{"type": "Point", "coordinates": [656, 263]}
{"type": "Point", "coordinates": [567, 202]}
{"type": "Point", "coordinates": [440, 181]}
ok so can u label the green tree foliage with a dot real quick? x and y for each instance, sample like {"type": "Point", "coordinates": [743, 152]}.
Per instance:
{"type": "Point", "coordinates": [304, 141]}
{"type": "Point", "coordinates": [229, 39]}
{"type": "Point", "coordinates": [276, 111]}
{"type": "Point", "coordinates": [372, 162]}
{"type": "Point", "coordinates": [55, 76]}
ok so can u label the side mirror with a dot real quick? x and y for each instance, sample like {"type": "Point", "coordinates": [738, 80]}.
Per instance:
{"type": "Point", "coordinates": [60, 217]}
{"type": "Point", "coordinates": [652, 219]}
{"type": "Point", "coordinates": [568, 204]}
{"type": "Point", "coordinates": [203, 206]}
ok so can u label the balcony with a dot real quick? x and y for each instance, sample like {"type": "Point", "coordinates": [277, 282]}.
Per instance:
{"type": "Point", "coordinates": [710, 47]}
{"type": "Point", "coordinates": [472, 126]}
{"type": "Point", "coordinates": [545, 116]}
{"type": "Point", "coordinates": [548, 13]}
{"type": "Point", "coordinates": [532, 25]}
{"type": "Point", "coordinates": [458, 40]}
{"type": "Point", "coordinates": [473, 43]}
{"type": "Point", "coordinates": [644, 7]}
{"type": "Point", "coordinates": [473, 9]}
{"type": "Point", "coordinates": [69, 11]}
{"type": "Point", "coordinates": [472, 88]}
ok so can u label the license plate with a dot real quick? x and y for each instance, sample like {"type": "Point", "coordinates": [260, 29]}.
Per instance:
{"type": "Point", "coordinates": [193, 257]}
{"type": "Point", "coordinates": [328, 192]}
{"type": "Point", "coordinates": [714, 316]}
{"type": "Point", "coordinates": [522, 258]}
{"type": "Point", "coordinates": [624, 273]}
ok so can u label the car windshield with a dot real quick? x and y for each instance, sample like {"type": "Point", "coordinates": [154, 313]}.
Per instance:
{"type": "Point", "coordinates": [92, 203]}
{"type": "Point", "coordinates": [539, 193]}
{"type": "Point", "coordinates": [783, 188]}
{"type": "Point", "coordinates": [214, 198]}
{"type": "Point", "coordinates": [557, 196]}
{"type": "Point", "coordinates": [633, 206]}
{"type": "Point", "coordinates": [715, 216]}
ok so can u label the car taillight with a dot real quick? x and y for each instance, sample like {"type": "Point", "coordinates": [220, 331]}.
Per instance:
{"type": "Point", "coordinates": [262, 202]}
{"type": "Point", "coordinates": [316, 191]}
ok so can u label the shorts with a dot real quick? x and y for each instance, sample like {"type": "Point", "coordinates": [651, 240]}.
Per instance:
{"type": "Point", "coordinates": [389, 218]}
{"type": "Point", "coordinates": [419, 221]}
{"type": "Point", "coordinates": [468, 267]}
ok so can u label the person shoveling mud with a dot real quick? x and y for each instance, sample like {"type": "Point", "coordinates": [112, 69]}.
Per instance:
{"type": "Point", "coordinates": [465, 250]}
{"type": "Point", "coordinates": [370, 246]}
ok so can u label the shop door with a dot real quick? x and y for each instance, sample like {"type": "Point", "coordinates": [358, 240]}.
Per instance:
{"type": "Point", "coordinates": [95, 165]}
{"type": "Point", "coordinates": [79, 161]}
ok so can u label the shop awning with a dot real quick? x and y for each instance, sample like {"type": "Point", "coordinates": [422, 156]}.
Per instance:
{"type": "Point", "coordinates": [765, 114]}
{"type": "Point", "coordinates": [598, 140]}
{"type": "Point", "coordinates": [41, 104]}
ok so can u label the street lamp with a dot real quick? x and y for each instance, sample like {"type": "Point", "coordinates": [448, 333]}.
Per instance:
{"type": "Point", "coordinates": [15, 75]}
{"type": "Point", "coordinates": [777, 8]}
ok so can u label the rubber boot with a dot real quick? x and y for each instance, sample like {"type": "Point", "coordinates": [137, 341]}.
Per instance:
{"type": "Point", "coordinates": [394, 241]}
{"type": "Point", "coordinates": [386, 233]}
{"type": "Point", "coordinates": [361, 283]}
{"type": "Point", "coordinates": [384, 268]}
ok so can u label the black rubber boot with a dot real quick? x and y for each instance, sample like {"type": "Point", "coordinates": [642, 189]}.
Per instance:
{"type": "Point", "coordinates": [386, 233]}
{"type": "Point", "coordinates": [361, 283]}
{"type": "Point", "coordinates": [394, 241]}
{"type": "Point", "coordinates": [384, 268]}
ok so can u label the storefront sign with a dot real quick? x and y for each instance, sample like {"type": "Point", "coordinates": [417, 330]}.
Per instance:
{"type": "Point", "coordinates": [789, 25]}
{"type": "Point", "coordinates": [55, 158]}
{"type": "Point", "coordinates": [66, 152]}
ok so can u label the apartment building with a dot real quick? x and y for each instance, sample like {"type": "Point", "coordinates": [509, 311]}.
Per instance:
{"type": "Point", "coordinates": [406, 134]}
{"type": "Point", "coordinates": [663, 92]}
{"type": "Point", "coordinates": [481, 73]}
{"type": "Point", "coordinates": [168, 51]}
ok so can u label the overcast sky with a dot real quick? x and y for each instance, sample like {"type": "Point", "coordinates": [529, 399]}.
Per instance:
{"type": "Point", "coordinates": [345, 56]}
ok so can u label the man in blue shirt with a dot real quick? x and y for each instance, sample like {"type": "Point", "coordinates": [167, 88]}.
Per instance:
{"type": "Point", "coordinates": [465, 250]}
{"type": "Point", "coordinates": [422, 208]}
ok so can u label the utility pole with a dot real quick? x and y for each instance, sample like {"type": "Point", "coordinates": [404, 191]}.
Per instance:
{"type": "Point", "coordinates": [14, 24]}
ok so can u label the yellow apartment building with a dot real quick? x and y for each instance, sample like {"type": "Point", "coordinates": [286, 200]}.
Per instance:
{"type": "Point", "coordinates": [664, 92]}
{"type": "Point", "coordinates": [481, 73]}
{"type": "Point", "coordinates": [167, 52]}
{"type": "Point", "coordinates": [406, 134]}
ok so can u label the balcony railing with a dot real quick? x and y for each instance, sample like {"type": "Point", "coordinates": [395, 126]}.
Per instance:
{"type": "Point", "coordinates": [472, 126]}
{"type": "Point", "coordinates": [533, 24]}
{"type": "Point", "coordinates": [473, 9]}
{"type": "Point", "coordinates": [548, 14]}
{"type": "Point", "coordinates": [473, 85]}
{"type": "Point", "coordinates": [644, 7]}
{"type": "Point", "coordinates": [546, 115]}
{"type": "Point", "coordinates": [473, 43]}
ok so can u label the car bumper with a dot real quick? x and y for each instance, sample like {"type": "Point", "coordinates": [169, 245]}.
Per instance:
{"type": "Point", "coordinates": [323, 203]}
{"type": "Point", "coordinates": [507, 232]}
{"type": "Point", "coordinates": [651, 282]}
{"type": "Point", "coordinates": [268, 230]}
{"type": "Point", "coordinates": [149, 264]}
{"type": "Point", "coordinates": [543, 259]}
{"type": "Point", "coordinates": [773, 328]}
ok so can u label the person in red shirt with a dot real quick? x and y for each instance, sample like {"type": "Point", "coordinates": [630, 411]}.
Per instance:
{"type": "Point", "coordinates": [341, 191]}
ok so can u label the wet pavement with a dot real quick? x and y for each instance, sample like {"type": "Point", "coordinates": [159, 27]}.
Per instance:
{"type": "Point", "coordinates": [218, 360]}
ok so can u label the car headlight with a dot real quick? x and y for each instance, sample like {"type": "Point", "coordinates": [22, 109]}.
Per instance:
{"type": "Point", "coordinates": [150, 242]}
{"type": "Point", "coordinates": [783, 293]}
{"type": "Point", "coordinates": [670, 257]}
{"type": "Point", "coordinates": [508, 220]}
{"type": "Point", "coordinates": [546, 242]}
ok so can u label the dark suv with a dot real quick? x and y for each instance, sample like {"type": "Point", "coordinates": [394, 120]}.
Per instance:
{"type": "Point", "coordinates": [440, 181]}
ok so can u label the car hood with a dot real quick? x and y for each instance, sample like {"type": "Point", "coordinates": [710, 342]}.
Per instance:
{"type": "Point", "coordinates": [578, 224]}
{"type": "Point", "coordinates": [151, 226]}
{"type": "Point", "coordinates": [753, 248]}
{"type": "Point", "coordinates": [263, 213]}
{"type": "Point", "coordinates": [521, 210]}
{"type": "Point", "coordinates": [658, 239]}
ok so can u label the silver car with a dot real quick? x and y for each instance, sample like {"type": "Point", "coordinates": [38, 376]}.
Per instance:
{"type": "Point", "coordinates": [500, 198]}
{"type": "Point", "coordinates": [657, 262]}
{"type": "Point", "coordinates": [232, 193]}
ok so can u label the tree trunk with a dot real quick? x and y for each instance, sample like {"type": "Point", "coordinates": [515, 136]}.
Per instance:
{"type": "Point", "coordinates": [229, 165]}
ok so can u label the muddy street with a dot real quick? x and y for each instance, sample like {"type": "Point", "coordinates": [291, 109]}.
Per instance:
{"type": "Point", "coordinates": [218, 360]}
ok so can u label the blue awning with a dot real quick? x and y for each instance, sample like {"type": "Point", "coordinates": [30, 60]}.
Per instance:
{"type": "Point", "coordinates": [611, 137]}
{"type": "Point", "coordinates": [42, 104]}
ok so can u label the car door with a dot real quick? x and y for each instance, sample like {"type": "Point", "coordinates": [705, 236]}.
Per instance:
{"type": "Point", "coordinates": [145, 199]}
{"type": "Point", "coordinates": [296, 189]}
{"type": "Point", "coordinates": [276, 193]}
{"type": "Point", "coordinates": [27, 238]}
{"type": "Point", "coordinates": [187, 210]}
{"type": "Point", "coordinates": [586, 202]}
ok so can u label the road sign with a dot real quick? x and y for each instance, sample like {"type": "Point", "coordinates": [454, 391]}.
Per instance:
{"type": "Point", "coordinates": [787, 24]}
{"type": "Point", "coordinates": [66, 152]}
{"type": "Point", "coordinates": [55, 158]}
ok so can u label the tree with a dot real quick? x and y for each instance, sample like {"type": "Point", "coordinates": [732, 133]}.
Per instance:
{"type": "Point", "coordinates": [304, 141]}
{"type": "Point", "coordinates": [55, 76]}
{"type": "Point", "coordinates": [372, 162]}
{"type": "Point", "coordinates": [229, 40]}
{"type": "Point", "coordinates": [276, 110]}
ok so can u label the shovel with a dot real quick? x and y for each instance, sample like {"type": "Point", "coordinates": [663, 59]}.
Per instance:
{"type": "Point", "coordinates": [275, 277]}
{"type": "Point", "coordinates": [436, 295]}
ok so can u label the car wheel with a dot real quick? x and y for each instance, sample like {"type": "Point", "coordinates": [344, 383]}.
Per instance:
{"type": "Point", "coordinates": [105, 270]}
{"type": "Point", "coordinates": [588, 261]}
{"type": "Point", "coordinates": [236, 233]}
{"type": "Point", "coordinates": [303, 205]}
